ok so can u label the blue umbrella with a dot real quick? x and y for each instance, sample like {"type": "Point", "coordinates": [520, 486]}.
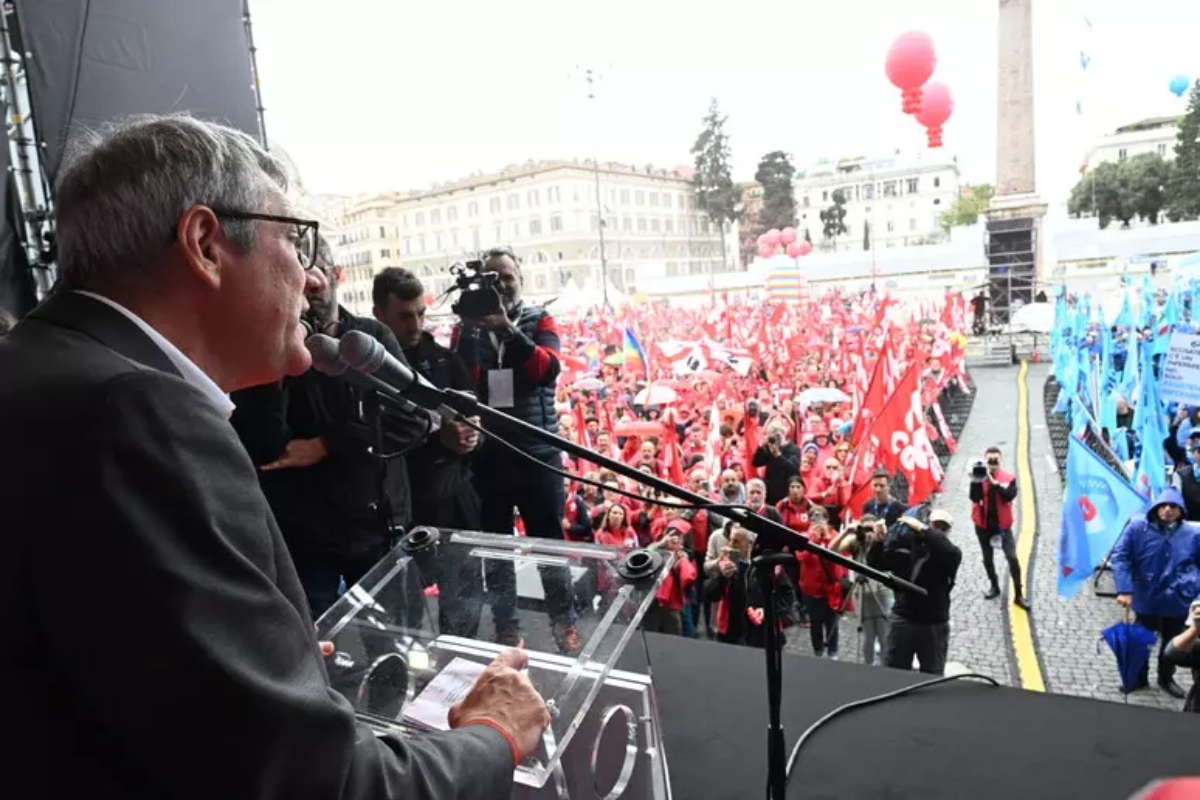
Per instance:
{"type": "Point", "coordinates": [1131, 645]}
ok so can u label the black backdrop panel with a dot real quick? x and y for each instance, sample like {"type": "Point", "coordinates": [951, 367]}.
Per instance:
{"type": "Point", "coordinates": [99, 60]}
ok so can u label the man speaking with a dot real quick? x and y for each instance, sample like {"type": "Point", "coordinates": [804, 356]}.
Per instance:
{"type": "Point", "coordinates": [159, 643]}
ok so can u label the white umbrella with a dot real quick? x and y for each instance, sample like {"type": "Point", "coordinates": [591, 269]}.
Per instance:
{"type": "Point", "coordinates": [655, 396]}
{"type": "Point", "coordinates": [1034, 318]}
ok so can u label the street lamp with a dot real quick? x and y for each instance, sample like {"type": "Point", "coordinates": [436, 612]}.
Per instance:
{"type": "Point", "coordinates": [591, 76]}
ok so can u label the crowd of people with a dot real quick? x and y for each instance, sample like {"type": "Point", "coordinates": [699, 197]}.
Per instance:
{"type": "Point", "coordinates": [1112, 391]}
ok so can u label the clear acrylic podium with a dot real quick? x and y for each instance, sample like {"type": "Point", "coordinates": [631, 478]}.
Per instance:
{"type": "Point", "coordinates": [432, 603]}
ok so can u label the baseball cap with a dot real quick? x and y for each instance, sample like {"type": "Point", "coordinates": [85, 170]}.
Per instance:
{"type": "Point", "coordinates": [941, 515]}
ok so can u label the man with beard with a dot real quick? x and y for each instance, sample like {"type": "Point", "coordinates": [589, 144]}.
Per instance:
{"type": "Point", "coordinates": [513, 358]}
{"type": "Point", "coordinates": [336, 502]}
{"type": "Point", "coordinates": [440, 469]}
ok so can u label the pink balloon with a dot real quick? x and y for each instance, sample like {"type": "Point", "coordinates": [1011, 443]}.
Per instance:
{"type": "Point", "coordinates": [793, 250]}
{"type": "Point", "coordinates": [910, 63]}
{"type": "Point", "coordinates": [805, 247]}
{"type": "Point", "coordinates": [762, 240]}
{"type": "Point", "coordinates": [936, 105]}
{"type": "Point", "coordinates": [765, 251]}
{"type": "Point", "coordinates": [787, 235]}
{"type": "Point", "coordinates": [772, 236]}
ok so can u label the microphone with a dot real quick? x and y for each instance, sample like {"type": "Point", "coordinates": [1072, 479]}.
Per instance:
{"type": "Point", "coordinates": [365, 354]}
{"type": "Point", "coordinates": [327, 360]}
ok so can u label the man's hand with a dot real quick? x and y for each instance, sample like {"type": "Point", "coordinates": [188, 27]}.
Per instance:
{"type": "Point", "coordinates": [326, 648]}
{"type": "Point", "coordinates": [1125, 600]}
{"type": "Point", "coordinates": [492, 322]}
{"type": "Point", "coordinates": [755, 615]}
{"type": "Point", "coordinates": [774, 449]}
{"type": "Point", "coordinates": [726, 567]}
{"type": "Point", "coordinates": [299, 453]}
{"type": "Point", "coordinates": [458, 437]}
{"type": "Point", "coordinates": [503, 696]}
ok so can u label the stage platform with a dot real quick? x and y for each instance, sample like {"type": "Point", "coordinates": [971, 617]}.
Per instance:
{"type": "Point", "coordinates": [957, 741]}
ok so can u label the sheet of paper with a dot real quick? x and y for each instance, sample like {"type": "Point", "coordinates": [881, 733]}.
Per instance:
{"type": "Point", "coordinates": [431, 707]}
{"type": "Point", "coordinates": [500, 388]}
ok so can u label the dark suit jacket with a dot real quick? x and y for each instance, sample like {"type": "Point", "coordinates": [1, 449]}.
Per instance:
{"type": "Point", "coordinates": [157, 641]}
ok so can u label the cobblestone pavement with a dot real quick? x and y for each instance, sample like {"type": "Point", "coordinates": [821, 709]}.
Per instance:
{"type": "Point", "coordinates": [1067, 631]}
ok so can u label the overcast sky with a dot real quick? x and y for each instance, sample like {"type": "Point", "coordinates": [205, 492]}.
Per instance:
{"type": "Point", "coordinates": [397, 94]}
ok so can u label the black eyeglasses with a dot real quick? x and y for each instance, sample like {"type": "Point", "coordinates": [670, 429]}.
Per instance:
{"type": "Point", "coordinates": [303, 232]}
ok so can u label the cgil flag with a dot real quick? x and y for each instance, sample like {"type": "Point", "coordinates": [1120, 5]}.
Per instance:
{"type": "Point", "coordinates": [1097, 505]}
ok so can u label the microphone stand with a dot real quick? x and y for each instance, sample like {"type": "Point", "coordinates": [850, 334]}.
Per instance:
{"type": "Point", "coordinates": [373, 414]}
{"type": "Point", "coordinates": [772, 546]}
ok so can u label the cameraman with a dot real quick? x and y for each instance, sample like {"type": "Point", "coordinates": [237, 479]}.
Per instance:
{"type": "Point", "coordinates": [992, 493]}
{"type": "Point", "coordinates": [781, 459]}
{"type": "Point", "coordinates": [864, 542]}
{"type": "Point", "coordinates": [920, 626]}
{"type": "Point", "coordinates": [512, 354]}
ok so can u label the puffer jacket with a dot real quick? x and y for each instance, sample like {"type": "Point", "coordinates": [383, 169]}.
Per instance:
{"type": "Point", "coordinates": [1159, 566]}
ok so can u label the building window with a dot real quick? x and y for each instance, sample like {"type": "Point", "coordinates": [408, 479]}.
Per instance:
{"type": "Point", "coordinates": [808, 204]}
{"type": "Point", "coordinates": [385, 253]}
{"type": "Point", "coordinates": [867, 193]}
{"type": "Point", "coordinates": [595, 222]}
{"type": "Point", "coordinates": [514, 201]}
{"type": "Point", "coordinates": [499, 238]}
{"type": "Point", "coordinates": [472, 209]}
{"type": "Point", "coordinates": [533, 198]}
{"type": "Point", "coordinates": [421, 243]}
{"type": "Point", "coordinates": [654, 199]}
{"type": "Point", "coordinates": [454, 240]}
{"type": "Point", "coordinates": [889, 189]}
{"type": "Point", "coordinates": [452, 214]}
{"type": "Point", "coordinates": [624, 197]}
{"type": "Point", "coordinates": [435, 217]}
{"type": "Point", "coordinates": [539, 281]}
{"type": "Point", "coordinates": [641, 224]}
{"type": "Point", "coordinates": [535, 227]}
{"type": "Point", "coordinates": [408, 245]}
{"type": "Point", "coordinates": [420, 219]}
{"type": "Point", "coordinates": [912, 224]}
{"type": "Point", "coordinates": [516, 230]}
{"type": "Point", "coordinates": [891, 226]}
{"type": "Point", "coordinates": [654, 225]}
{"type": "Point", "coordinates": [437, 243]}
{"type": "Point", "coordinates": [610, 223]}
{"type": "Point", "coordinates": [553, 194]}
{"type": "Point", "coordinates": [1162, 150]}
{"type": "Point", "coordinates": [639, 198]}
{"type": "Point", "coordinates": [937, 182]}
{"type": "Point", "coordinates": [475, 237]}
{"type": "Point", "coordinates": [913, 184]}
{"type": "Point", "coordinates": [494, 205]}
{"type": "Point", "coordinates": [1122, 154]}
{"type": "Point", "coordinates": [668, 225]}
{"type": "Point", "coordinates": [556, 222]}
{"type": "Point", "coordinates": [825, 197]}
{"type": "Point", "coordinates": [626, 223]}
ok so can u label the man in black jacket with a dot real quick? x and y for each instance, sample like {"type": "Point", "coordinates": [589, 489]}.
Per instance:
{"type": "Point", "coordinates": [128, 498]}
{"type": "Point", "coordinates": [440, 469]}
{"type": "Point", "coordinates": [920, 626]}
{"type": "Point", "coordinates": [313, 438]}
{"type": "Point", "coordinates": [782, 461]}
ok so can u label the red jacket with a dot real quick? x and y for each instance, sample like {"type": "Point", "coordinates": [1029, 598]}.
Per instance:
{"type": "Point", "coordinates": [1004, 510]}
{"type": "Point", "coordinates": [671, 590]}
{"type": "Point", "coordinates": [794, 518]}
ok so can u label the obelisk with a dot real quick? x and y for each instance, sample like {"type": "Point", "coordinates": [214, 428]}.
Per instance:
{"type": "Point", "coordinates": [1014, 222]}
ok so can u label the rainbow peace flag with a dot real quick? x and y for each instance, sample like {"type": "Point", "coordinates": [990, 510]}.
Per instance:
{"type": "Point", "coordinates": [632, 353]}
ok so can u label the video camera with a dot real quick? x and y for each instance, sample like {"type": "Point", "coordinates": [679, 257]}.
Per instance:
{"type": "Point", "coordinates": [479, 294]}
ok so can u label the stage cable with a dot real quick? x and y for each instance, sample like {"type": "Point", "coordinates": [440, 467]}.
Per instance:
{"type": "Point", "coordinates": [870, 701]}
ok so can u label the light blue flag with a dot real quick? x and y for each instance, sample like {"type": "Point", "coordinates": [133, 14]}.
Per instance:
{"type": "Point", "coordinates": [1097, 505]}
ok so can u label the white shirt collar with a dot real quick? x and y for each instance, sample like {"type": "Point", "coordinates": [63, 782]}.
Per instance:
{"type": "Point", "coordinates": [187, 368]}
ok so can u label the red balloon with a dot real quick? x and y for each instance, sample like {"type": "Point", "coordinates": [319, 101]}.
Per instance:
{"type": "Point", "coordinates": [936, 107]}
{"type": "Point", "coordinates": [910, 63]}
{"type": "Point", "coordinates": [772, 237]}
{"type": "Point", "coordinates": [787, 236]}
{"type": "Point", "coordinates": [765, 251]}
{"type": "Point", "coordinates": [793, 250]}
{"type": "Point", "coordinates": [805, 246]}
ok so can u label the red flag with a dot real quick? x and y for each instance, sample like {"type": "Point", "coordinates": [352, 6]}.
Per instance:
{"type": "Point", "coordinates": [906, 448]}
{"type": "Point", "coordinates": [750, 441]}
{"type": "Point", "coordinates": [874, 397]}
{"type": "Point", "coordinates": [670, 455]}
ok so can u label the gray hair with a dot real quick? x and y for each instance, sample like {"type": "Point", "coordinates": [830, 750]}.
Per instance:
{"type": "Point", "coordinates": [124, 188]}
{"type": "Point", "coordinates": [756, 482]}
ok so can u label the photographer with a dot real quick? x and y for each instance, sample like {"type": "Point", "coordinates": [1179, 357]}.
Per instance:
{"type": "Point", "coordinates": [665, 614]}
{"type": "Point", "coordinates": [1184, 651]}
{"type": "Point", "coordinates": [920, 626]}
{"type": "Point", "coordinates": [336, 501]}
{"type": "Point", "coordinates": [512, 353]}
{"type": "Point", "coordinates": [864, 542]}
{"type": "Point", "coordinates": [781, 459]}
{"type": "Point", "coordinates": [992, 493]}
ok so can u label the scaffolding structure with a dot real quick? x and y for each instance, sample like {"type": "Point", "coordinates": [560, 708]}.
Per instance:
{"type": "Point", "coordinates": [1011, 247]}
{"type": "Point", "coordinates": [26, 171]}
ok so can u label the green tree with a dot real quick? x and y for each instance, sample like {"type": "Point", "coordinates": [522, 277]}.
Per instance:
{"type": "Point", "coordinates": [833, 219]}
{"type": "Point", "coordinates": [970, 203]}
{"type": "Point", "coordinates": [775, 174]}
{"type": "Point", "coordinates": [1183, 186]}
{"type": "Point", "coordinates": [713, 183]}
{"type": "Point", "coordinates": [1123, 190]}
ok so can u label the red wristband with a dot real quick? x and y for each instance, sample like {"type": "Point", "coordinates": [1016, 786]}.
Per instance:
{"type": "Point", "coordinates": [508, 737]}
